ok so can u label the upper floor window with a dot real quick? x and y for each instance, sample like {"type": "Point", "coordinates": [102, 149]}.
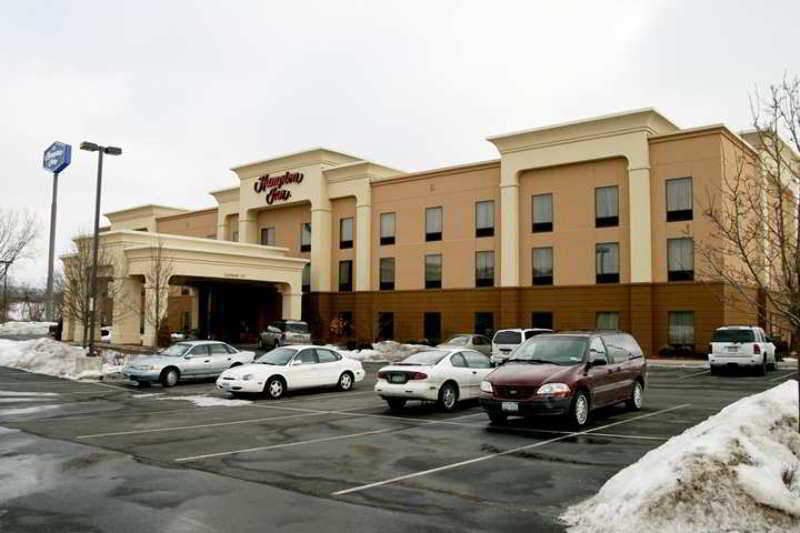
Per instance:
{"type": "Point", "coordinates": [679, 199]}
{"type": "Point", "coordinates": [346, 233]}
{"type": "Point", "coordinates": [433, 224]}
{"type": "Point", "coordinates": [680, 259]}
{"type": "Point", "coordinates": [268, 236]}
{"type": "Point", "coordinates": [387, 228]}
{"type": "Point", "coordinates": [305, 237]}
{"type": "Point", "coordinates": [433, 271]}
{"type": "Point", "coordinates": [542, 266]}
{"type": "Point", "coordinates": [484, 218]}
{"type": "Point", "coordinates": [484, 269]}
{"type": "Point", "coordinates": [345, 276]}
{"type": "Point", "coordinates": [307, 278]}
{"type": "Point", "coordinates": [386, 273]}
{"type": "Point", "coordinates": [542, 213]}
{"type": "Point", "coordinates": [607, 262]}
{"type": "Point", "coordinates": [606, 207]}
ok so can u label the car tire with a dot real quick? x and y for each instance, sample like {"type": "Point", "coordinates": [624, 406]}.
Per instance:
{"type": "Point", "coordinates": [170, 377]}
{"type": "Point", "coordinates": [714, 370]}
{"type": "Point", "coordinates": [634, 403]}
{"type": "Point", "coordinates": [448, 397]}
{"type": "Point", "coordinates": [345, 382]}
{"type": "Point", "coordinates": [761, 370]}
{"type": "Point", "coordinates": [143, 384]}
{"type": "Point", "coordinates": [579, 410]}
{"type": "Point", "coordinates": [395, 404]}
{"type": "Point", "coordinates": [498, 418]}
{"type": "Point", "coordinates": [275, 388]}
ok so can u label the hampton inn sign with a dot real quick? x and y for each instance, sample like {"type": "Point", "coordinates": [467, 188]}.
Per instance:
{"type": "Point", "coordinates": [274, 186]}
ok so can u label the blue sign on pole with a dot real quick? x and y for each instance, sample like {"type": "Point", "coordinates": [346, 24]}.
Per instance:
{"type": "Point", "coordinates": [57, 157]}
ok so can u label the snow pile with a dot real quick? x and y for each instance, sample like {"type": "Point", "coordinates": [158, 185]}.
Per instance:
{"type": "Point", "coordinates": [53, 358]}
{"type": "Point", "coordinates": [737, 471]}
{"type": "Point", "coordinates": [385, 351]}
{"type": "Point", "coordinates": [25, 328]}
{"type": "Point", "coordinates": [201, 400]}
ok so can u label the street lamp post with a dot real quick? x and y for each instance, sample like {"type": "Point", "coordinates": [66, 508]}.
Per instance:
{"type": "Point", "coordinates": [110, 150]}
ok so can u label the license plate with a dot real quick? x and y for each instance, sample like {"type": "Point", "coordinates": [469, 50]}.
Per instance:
{"type": "Point", "coordinates": [510, 406]}
{"type": "Point", "coordinates": [226, 386]}
{"type": "Point", "coordinates": [397, 379]}
{"type": "Point", "coordinates": [733, 348]}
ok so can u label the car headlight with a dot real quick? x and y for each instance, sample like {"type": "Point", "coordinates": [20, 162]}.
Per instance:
{"type": "Point", "coordinates": [247, 377]}
{"type": "Point", "coordinates": [559, 389]}
{"type": "Point", "coordinates": [148, 367]}
{"type": "Point", "coordinates": [486, 387]}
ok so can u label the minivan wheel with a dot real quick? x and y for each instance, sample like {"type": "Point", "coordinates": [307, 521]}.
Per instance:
{"type": "Point", "coordinates": [634, 403]}
{"type": "Point", "coordinates": [579, 412]}
{"type": "Point", "coordinates": [448, 397]}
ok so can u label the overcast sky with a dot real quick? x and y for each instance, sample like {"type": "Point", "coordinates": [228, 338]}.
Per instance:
{"type": "Point", "coordinates": [189, 89]}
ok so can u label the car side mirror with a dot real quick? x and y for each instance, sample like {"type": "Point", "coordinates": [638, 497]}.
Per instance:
{"type": "Point", "coordinates": [296, 362]}
{"type": "Point", "coordinates": [187, 356]}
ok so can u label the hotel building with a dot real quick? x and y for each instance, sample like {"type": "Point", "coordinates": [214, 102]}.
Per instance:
{"type": "Point", "coordinates": [578, 225]}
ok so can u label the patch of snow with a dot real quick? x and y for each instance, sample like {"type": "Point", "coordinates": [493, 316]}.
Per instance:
{"type": "Point", "coordinates": [202, 400]}
{"type": "Point", "coordinates": [28, 410]}
{"type": "Point", "coordinates": [385, 352]}
{"type": "Point", "coordinates": [54, 358]}
{"type": "Point", "coordinates": [150, 395]}
{"type": "Point", "coordinates": [25, 328]}
{"type": "Point", "coordinates": [17, 393]}
{"type": "Point", "coordinates": [739, 470]}
{"type": "Point", "coordinates": [22, 400]}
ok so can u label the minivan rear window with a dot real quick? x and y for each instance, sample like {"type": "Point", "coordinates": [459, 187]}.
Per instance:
{"type": "Point", "coordinates": [733, 335]}
{"type": "Point", "coordinates": [507, 337]}
{"type": "Point", "coordinates": [296, 327]}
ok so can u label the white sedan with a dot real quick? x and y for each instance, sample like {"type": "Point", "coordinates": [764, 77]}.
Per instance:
{"type": "Point", "coordinates": [291, 368]}
{"type": "Point", "coordinates": [442, 376]}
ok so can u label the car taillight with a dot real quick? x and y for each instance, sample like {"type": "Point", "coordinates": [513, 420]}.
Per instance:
{"type": "Point", "coordinates": [418, 375]}
{"type": "Point", "coordinates": [756, 348]}
{"type": "Point", "coordinates": [381, 375]}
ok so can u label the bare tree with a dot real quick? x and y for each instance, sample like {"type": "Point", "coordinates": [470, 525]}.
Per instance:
{"type": "Point", "coordinates": [18, 230]}
{"type": "Point", "coordinates": [754, 245]}
{"type": "Point", "coordinates": [157, 294]}
{"type": "Point", "coordinates": [32, 302]}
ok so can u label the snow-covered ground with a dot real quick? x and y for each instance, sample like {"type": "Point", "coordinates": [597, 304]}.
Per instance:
{"type": "Point", "coordinates": [737, 471]}
{"type": "Point", "coordinates": [53, 358]}
{"type": "Point", "coordinates": [203, 400]}
{"type": "Point", "coordinates": [25, 328]}
{"type": "Point", "coordinates": [384, 351]}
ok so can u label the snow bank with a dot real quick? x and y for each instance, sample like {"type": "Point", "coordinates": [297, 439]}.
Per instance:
{"type": "Point", "coordinates": [53, 358]}
{"type": "Point", "coordinates": [25, 328]}
{"type": "Point", "coordinates": [737, 471]}
{"type": "Point", "coordinates": [202, 400]}
{"type": "Point", "coordinates": [385, 351]}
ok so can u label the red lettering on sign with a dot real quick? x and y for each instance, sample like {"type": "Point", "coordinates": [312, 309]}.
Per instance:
{"type": "Point", "coordinates": [274, 186]}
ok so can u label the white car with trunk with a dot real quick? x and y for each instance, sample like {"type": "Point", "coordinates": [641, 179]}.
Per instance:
{"type": "Point", "coordinates": [291, 368]}
{"type": "Point", "coordinates": [505, 341]}
{"type": "Point", "coordinates": [443, 376]}
{"type": "Point", "coordinates": [735, 346]}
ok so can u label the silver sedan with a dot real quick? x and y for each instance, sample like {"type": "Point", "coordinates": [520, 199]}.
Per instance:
{"type": "Point", "coordinates": [469, 341]}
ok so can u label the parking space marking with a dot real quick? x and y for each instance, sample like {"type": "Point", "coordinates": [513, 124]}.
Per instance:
{"type": "Point", "coordinates": [284, 445]}
{"type": "Point", "coordinates": [778, 378]}
{"type": "Point", "coordinates": [198, 426]}
{"type": "Point", "coordinates": [706, 371]}
{"type": "Point", "coordinates": [498, 454]}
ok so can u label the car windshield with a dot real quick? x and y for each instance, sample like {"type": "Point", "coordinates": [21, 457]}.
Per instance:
{"type": "Point", "coordinates": [564, 351]}
{"type": "Point", "coordinates": [296, 327]}
{"type": "Point", "coordinates": [176, 350]}
{"type": "Point", "coordinates": [428, 358]}
{"type": "Point", "coordinates": [281, 356]}
{"type": "Point", "coordinates": [733, 335]}
{"type": "Point", "coordinates": [508, 337]}
{"type": "Point", "coordinates": [461, 340]}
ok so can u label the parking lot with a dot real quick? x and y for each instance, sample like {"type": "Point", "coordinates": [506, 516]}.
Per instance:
{"type": "Point", "coordinates": [342, 459]}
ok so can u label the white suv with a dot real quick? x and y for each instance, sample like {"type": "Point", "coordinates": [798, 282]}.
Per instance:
{"type": "Point", "coordinates": [734, 346]}
{"type": "Point", "coordinates": [506, 340]}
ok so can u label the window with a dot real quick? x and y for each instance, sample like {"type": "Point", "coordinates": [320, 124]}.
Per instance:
{"type": "Point", "coordinates": [235, 236]}
{"type": "Point", "coordinates": [433, 224]}
{"type": "Point", "coordinates": [458, 361]}
{"type": "Point", "coordinates": [542, 266]}
{"type": "Point", "coordinates": [217, 349]}
{"type": "Point", "coordinates": [385, 326]}
{"type": "Point", "coordinates": [230, 349]}
{"type": "Point", "coordinates": [433, 271]}
{"type": "Point", "coordinates": [542, 319]}
{"type": "Point", "coordinates": [345, 276]}
{"type": "Point", "coordinates": [679, 199]}
{"type": "Point", "coordinates": [187, 320]}
{"type": "Point", "coordinates": [307, 278]}
{"type": "Point", "coordinates": [200, 350]}
{"type": "Point", "coordinates": [607, 262]}
{"type": "Point", "coordinates": [387, 228]}
{"type": "Point", "coordinates": [484, 324]}
{"type": "Point", "coordinates": [476, 360]}
{"type": "Point", "coordinates": [345, 233]}
{"type": "Point", "coordinates": [596, 345]}
{"type": "Point", "coordinates": [268, 236]}
{"type": "Point", "coordinates": [432, 327]}
{"type": "Point", "coordinates": [387, 273]}
{"type": "Point", "coordinates": [345, 319]}
{"type": "Point", "coordinates": [484, 218]}
{"type": "Point", "coordinates": [305, 237]}
{"type": "Point", "coordinates": [484, 269]}
{"type": "Point", "coordinates": [326, 356]}
{"type": "Point", "coordinates": [606, 207]}
{"type": "Point", "coordinates": [681, 328]}
{"type": "Point", "coordinates": [680, 259]}
{"type": "Point", "coordinates": [542, 213]}
{"type": "Point", "coordinates": [307, 357]}
{"type": "Point", "coordinates": [607, 320]}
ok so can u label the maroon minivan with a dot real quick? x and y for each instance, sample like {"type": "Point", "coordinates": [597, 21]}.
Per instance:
{"type": "Point", "coordinates": [568, 374]}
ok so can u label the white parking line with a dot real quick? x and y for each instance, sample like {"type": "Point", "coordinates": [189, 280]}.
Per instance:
{"type": "Point", "coordinates": [492, 456]}
{"type": "Point", "coordinates": [706, 371]}
{"type": "Point", "coordinates": [284, 445]}
{"type": "Point", "coordinates": [198, 426]}
{"type": "Point", "coordinates": [778, 378]}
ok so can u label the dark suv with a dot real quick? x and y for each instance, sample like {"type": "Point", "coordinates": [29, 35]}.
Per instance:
{"type": "Point", "coordinates": [567, 374]}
